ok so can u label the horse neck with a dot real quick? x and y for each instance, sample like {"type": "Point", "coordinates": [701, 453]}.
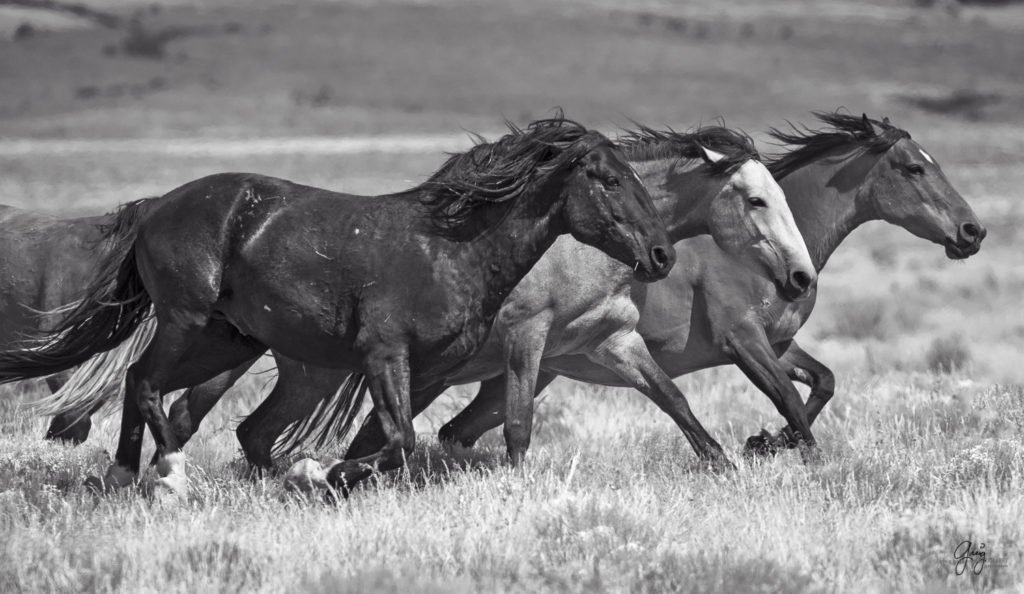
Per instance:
{"type": "Point", "coordinates": [508, 250]}
{"type": "Point", "coordinates": [680, 195]}
{"type": "Point", "coordinates": [824, 212]}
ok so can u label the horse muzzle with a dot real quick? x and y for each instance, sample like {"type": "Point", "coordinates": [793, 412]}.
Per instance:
{"type": "Point", "coordinates": [658, 264]}
{"type": "Point", "coordinates": [798, 285]}
{"type": "Point", "coordinates": [967, 241]}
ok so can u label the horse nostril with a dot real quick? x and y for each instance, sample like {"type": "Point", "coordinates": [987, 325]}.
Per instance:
{"type": "Point", "coordinates": [972, 232]}
{"type": "Point", "coordinates": [660, 257]}
{"type": "Point", "coordinates": [800, 279]}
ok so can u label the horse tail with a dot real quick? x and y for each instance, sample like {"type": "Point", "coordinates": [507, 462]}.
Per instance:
{"type": "Point", "coordinates": [114, 306]}
{"type": "Point", "coordinates": [99, 382]}
{"type": "Point", "coordinates": [331, 420]}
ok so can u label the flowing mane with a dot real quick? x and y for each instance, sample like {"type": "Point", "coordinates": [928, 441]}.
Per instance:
{"type": "Point", "coordinates": [505, 170]}
{"type": "Point", "coordinates": [648, 144]}
{"type": "Point", "coordinates": [844, 130]}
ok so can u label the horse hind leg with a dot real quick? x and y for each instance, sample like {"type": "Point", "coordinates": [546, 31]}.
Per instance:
{"type": "Point", "coordinates": [189, 410]}
{"type": "Point", "coordinates": [180, 355]}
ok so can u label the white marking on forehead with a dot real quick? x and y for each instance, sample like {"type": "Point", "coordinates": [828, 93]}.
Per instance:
{"type": "Point", "coordinates": [756, 179]}
{"type": "Point", "coordinates": [926, 156]}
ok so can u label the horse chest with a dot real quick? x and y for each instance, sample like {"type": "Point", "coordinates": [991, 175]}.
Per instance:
{"type": "Point", "coordinates": [785, 323]}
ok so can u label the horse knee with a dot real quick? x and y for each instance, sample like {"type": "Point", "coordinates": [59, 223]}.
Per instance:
{"type": "Point", "coordinates": [827, 383]}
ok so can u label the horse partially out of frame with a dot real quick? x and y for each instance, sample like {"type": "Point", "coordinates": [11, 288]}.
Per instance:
{"type": "Point", "coordinates": [402, 288]}
{"type": "Point", "coordinates": [47, 263]}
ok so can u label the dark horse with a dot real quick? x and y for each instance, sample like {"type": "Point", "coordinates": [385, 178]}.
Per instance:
{"type": "Point", "coordinates": [402, 288]}
{"type": "Point", "coordinates": [713, 312]}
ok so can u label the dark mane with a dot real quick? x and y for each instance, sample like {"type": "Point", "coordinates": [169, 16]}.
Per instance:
{"type": "Point", "coordinates": [647, 144]}
{"type": "Point", "coordinates": [843, 130]}
{"type": "Point", "coordinates": [505, 170]}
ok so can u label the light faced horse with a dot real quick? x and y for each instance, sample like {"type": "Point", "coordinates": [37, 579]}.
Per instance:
{"type": "Point", "coordinates": [715, 311]}
{"type": "Point", "coordinates": [402, 288]}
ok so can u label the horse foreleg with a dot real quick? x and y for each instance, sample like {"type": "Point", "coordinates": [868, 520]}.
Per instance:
{"type": "Point", "coordinates": [388, 379]}
{"type": "Point", "coordinates": [485, 412]}
{"type": "Point", "coordinates": [627, 356]}
{"type": "Point", "coordinates": [371, 437]}
{"type": "Point", "coordinates": [748, 348]}
{"type": "Point", "coordinates": [524, 348]}
{"type": "Point", "coordinates": [807, 370]}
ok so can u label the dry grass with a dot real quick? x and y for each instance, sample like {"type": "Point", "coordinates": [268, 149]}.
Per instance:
{"type": "Point", "coordinates": [913, 466]}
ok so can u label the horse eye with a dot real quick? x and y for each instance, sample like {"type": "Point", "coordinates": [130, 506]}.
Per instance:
{"type": "Point", "coordinates": [757, 202]}
{"type": "Point", "coordinates": [612, 182]}
{"type": "Point", "coordinates": [915, 169]}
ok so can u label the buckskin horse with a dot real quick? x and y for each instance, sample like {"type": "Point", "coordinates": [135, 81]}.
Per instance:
{"type": "Point", "coordinates": [402, 288]}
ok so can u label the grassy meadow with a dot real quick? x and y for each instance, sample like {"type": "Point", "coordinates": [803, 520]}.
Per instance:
{"type": "Point", "coordinates": [922, 445]}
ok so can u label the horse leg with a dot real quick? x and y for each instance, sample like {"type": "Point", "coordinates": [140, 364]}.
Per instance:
{"type": "Point", "coordinates": [524, 348]}
{"type": "Point", "coordinates": [371, 436]}
{"type": "Point", "coordinates": [188, 411]}
{"type": "Point", "coordinates": [813, 373]}
{"type": "Point", "coordinates": [388, 379]}
{"type": "Point", "coordinates": [485, 412]}
{"type": "Point", "coordinates": [628, 357]}
{"type": "Point", "coordinates": [748, 348]}
{"type": "Point", "coordinates": [179, 355]}
{"type": "Point", "coordinates": [70, 428]}
{"type": "Point", "coordinates": [294, 397]}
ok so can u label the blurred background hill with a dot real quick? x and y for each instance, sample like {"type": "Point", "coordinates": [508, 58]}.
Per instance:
{"type": "Point", "coordinates": [107, 100]}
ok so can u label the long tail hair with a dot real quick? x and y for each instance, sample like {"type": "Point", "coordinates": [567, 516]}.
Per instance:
{"type": "Point", "coordinates": [114, 306]}
{"type": "Point", "coordinates": [97, 384]}
{"type": "Point", "coordinates": [330, 422]}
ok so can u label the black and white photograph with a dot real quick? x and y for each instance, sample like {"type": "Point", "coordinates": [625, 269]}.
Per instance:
{"type": "Point", "coordinates": [458, 296]}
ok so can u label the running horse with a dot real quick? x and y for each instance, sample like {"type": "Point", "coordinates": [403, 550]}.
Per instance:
{"type": "Point", "coordinates": [715, 311]}
{"type": "Point", "coordinates": [401, 288]}
{"type": "Point", "coordinates": [575, 300]}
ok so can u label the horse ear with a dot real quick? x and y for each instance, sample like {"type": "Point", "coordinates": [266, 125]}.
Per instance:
{"type": "Point", "coordinates": [709, 155]}
{"type": "Point", "coordinates": [866, 122]}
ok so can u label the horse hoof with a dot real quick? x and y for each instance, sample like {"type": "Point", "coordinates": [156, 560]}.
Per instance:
{"type": "Point", "coordinates": [173, 487]}
{"type": "Point", "coordinates": [720, 465]}
{"type": "Point", "coordinates": [95, 485]}
{"type": "Point", "coordinates": [762, 444]}
{"type": "Point", "coordinates": [306, 476]}
{"type": "Point", "coordinates": [810, 454]}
